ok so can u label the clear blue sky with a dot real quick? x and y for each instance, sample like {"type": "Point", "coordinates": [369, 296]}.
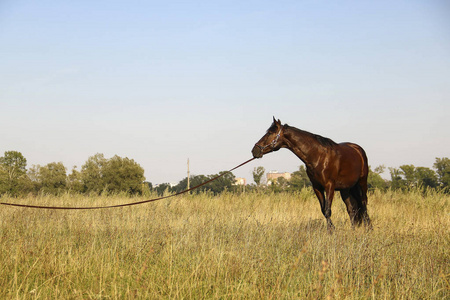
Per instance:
{"type": "Point", "coordinates": [163, 81]}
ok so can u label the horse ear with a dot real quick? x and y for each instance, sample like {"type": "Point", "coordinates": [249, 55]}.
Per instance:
{"type": "Point", "coordinates": [276, 122]}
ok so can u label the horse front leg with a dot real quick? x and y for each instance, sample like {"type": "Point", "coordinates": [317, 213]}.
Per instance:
{"type": "Point", "coordinates": [329, 191]}
{"type": "Point", "coordinates": [325, 205]}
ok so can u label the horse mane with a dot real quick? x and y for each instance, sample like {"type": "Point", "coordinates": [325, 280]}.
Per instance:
{"type": "Point", "coordinates": [324, 141]}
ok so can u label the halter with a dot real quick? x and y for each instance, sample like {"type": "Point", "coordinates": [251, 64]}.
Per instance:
{"type": "Point", "coordinates": [275, 140]}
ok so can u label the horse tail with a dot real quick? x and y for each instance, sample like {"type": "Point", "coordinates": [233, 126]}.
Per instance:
{"type": "Point", "coordinates": [361, 206]}
{"type": "Point", "coordinates": [359, 191]}
{"type": "Point", "coordinates": [365, 168]}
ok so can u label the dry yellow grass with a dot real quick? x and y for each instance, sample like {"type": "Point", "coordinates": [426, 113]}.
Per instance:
{"type": "Point", "coordinates": [226, 247]}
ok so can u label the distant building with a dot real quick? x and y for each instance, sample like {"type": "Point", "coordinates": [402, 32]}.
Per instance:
{"type": "Point", "coordinates": [274, 175]}
{"type": "Point", "coordinates": [240, 181]}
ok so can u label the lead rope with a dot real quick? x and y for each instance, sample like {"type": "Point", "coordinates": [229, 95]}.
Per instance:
{"type": "Point", "coordinates": [128, 204]}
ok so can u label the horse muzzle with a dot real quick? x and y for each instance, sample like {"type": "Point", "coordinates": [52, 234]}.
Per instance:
{"type": "Point", "coordinates": [257, 151]}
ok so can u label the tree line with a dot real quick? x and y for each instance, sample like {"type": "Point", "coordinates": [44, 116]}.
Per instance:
{"type": "Point", "coordinates": [224, 183]}
{"type": "Point", "coordinates": [100, 175]}
{"type": "Point", "coordinates": [403, 178]}
{"type": "Point", "coordinates": [97, 175]}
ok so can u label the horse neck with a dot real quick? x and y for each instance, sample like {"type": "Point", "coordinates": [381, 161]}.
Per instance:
{"type": "Point", "coordinates": [303, 144]}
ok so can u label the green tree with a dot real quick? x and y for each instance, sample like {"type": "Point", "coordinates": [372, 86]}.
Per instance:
{"type": "Point", "coordinates": [122, 175]}
{"type": "Point", "coordinates": [299, 179]}
{"type": "Point", "coordinates": [408, 176]}
{"type": "Point", "coordinates": [397, 182]}
{"type": "Point", "coordinates": [194, 181]}
{"type": "Point", "coordinates": [52, 178]}
{"type": "Point", "coordinates": [226, 182]}
{"type": "Point", "coordinates": [442, 166]}
{"type": "Point", "coordinates": [4, 181]}
{"type": "Point", "coordinates": [12, 170]}
{"type": "Point", "coordinates": [163, 188]}
{"type": "Point", "coordinates": [374, 180]}
{"type": "Point", "coordinates": [404, 177]}
{"type": "Point", "coordinates": [33, 176]}
{"type": "Point", "coordinates": [112, 175]}
{"type": "Point", "coordinates": [92, 175]}
{"type": "Point", "coordinates": [426, 177]}
{"type": "Point", "coordinates": [182, 185]}
{"type": "Point", "coordinates": [408, 173]}
{"type": "Point", "coordinates": [74, 182]}
{"type": "Point", "coordinates": [258, 173]}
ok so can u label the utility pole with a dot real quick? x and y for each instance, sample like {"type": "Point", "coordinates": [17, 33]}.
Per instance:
{"type": "Point", "coordinates": [188, 175]}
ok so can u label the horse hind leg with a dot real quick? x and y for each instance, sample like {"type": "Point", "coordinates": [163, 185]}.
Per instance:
{"type": "Point", "coordinates": [352, 207]}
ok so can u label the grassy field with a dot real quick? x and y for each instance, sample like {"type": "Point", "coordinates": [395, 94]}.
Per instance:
{"type": "Point", "coordinates": [230, 246]}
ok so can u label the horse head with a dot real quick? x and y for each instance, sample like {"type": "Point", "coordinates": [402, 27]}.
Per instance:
{"type": "Point", "coordinates": [271, 141]}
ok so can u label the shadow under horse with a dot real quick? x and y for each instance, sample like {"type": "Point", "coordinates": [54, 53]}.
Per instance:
{"type": "Point", "coordinates": [330, 167]}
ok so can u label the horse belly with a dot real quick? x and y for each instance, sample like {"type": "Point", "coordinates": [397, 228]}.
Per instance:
{"type": "Point", "coordinates": [345, 184]}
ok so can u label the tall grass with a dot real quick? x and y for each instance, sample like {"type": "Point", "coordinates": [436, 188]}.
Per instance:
{"type": "Point", "coordinates": [229, 246]}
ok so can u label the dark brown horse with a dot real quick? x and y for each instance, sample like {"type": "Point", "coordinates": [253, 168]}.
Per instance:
{"type": "Point", "coordinates": [330, 167]}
